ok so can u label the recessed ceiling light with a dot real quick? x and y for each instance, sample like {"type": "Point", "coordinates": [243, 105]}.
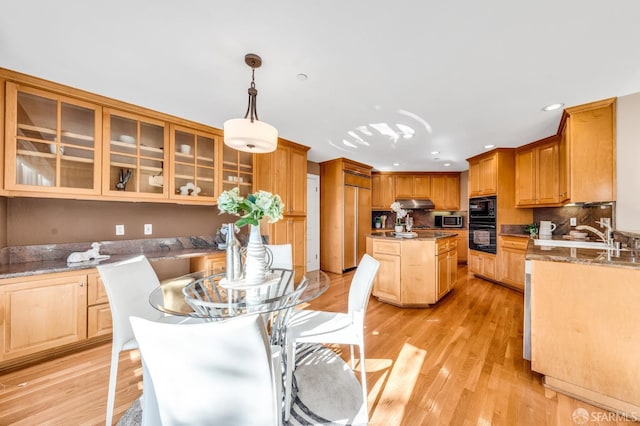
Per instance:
{"type": "Point", "coordinates": [435, 152]}
{"type": "Point", "coordinates": [553, 107]}
{"type": "Point", "coordinates": [302, 77]}
{"type": "Point", "coordinates": [396, 164]}
{"type": "Point", "coordinates": [489, 146]}
{"type": "Point", "coordinates": [446, 164]}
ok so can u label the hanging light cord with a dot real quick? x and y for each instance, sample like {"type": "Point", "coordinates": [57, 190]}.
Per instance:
{"type": "Point", "coordinates": [253, 93]}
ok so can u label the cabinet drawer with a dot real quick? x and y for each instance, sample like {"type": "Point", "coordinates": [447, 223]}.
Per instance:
{"type": "Point", "coordinates": [355, 180]}
{"type": "Point", "coordinates": [444, 245]}
{"type": "Point", "coordinates": [96, 293]}
{"type": "Point", "coordinates": [515, 243]}
{"type": "Point", "coordinates": [99, 320]}
{"type": "Point", "coordinates": [386, 247]}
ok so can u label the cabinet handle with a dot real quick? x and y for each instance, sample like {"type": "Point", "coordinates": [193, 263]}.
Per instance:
{"type": "Point", "coordinates": [81, 284]}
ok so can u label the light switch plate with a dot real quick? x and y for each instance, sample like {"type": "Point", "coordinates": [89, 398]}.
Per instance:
{"type": "Point", "coordinates": [148, 229]}
{"type": "Point", "coordinates": [573, 222]}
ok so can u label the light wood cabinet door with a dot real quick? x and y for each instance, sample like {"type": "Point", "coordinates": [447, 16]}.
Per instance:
{"type": "Point", "coordinates": [512, 267]}
{"type": "Point", "coordinates": [52, 143]}
{"type": "Point", "coordinates": [237, 170]}
{"type": "Point", "coordinates": [526, 177]}
{"type": "Point", "coordinates": [413, 186]}
{"type": "Point", "coordinates": [442, 275]}
{"type": "Point", "coordinates": [483, 175]}
{"type": "Point", "coordinates": [422, 186]}
{"type": "Point", "coordinates": [292, 230]}
{"type": "Point", "coordinates": [43, 313]}
{"type": "Point", "coordinates": [298, 183]}
{"type": "Point", "coordinates": [547, 173]}
{"type": "Point", "coordinates": [99, 321]}
{"type": "Point", "coordinates": [564, 165]}
{"type": "Point", "coordinates": [475, 187]}
{"type": "Point", "coordinates": [592, 151]}
{"type": "Point", "coordinates": [195, 165]}
{"type": "Point", "coordinates": [463, 246]}
{"type": "Point", "coordinates": [382, 191]}
{"type": "Point", "coordinates": [483, 264]}
{"type": "Point", "coordinates": [387, 282]}
{"type": "Point", "coordinates": [135, 151]}
{"type": "Point", "coordinates": [404, 186]}
{"type": "Point", "coordinates": [445, 192]}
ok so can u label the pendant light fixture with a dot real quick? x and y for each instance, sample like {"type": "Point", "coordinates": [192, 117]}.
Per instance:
{"type": "Point", "coordinates": [249, 134]}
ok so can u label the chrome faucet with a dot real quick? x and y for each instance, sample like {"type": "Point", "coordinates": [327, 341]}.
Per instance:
{"type": "Point", "coordinates": [606, 236]}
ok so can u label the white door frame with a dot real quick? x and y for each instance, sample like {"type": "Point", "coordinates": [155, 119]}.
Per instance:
{"type": "Point", "coordinates": [313, 222]}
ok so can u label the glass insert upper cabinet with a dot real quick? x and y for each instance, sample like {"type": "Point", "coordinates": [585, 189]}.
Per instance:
{"type": "Point", "coordinates": [194, 168]}
{"type": "Point", "coordinates": [52, 143]}
{"type": "Point", "coordinates": [134, 156]}
{"type": "Point", "coordinates": [237, 170]}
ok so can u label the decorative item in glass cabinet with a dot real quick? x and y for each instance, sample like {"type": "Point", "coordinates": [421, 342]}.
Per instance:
{"type": "Point", "coordinates": [250, 134]}
{"type": "Point", "coordinates": [251, 210]}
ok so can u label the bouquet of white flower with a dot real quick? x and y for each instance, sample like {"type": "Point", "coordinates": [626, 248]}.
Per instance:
{"type": "Point", "coordinates": [400, 212]}
{"type": "Point", "coordinates": [253, 208]}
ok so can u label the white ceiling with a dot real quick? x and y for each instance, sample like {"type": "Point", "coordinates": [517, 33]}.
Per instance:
{"type": "Point", "coordinates": [460, 74]}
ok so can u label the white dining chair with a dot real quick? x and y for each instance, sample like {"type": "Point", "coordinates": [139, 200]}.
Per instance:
{"type": "Point", "coordinates": [309, 326]}
{"type": "Point", "coordinates": [210, 373]}
{"type": "Point", "coordinates": [281, 255]}
{"type": "Point", "coordinates": [128, 284]}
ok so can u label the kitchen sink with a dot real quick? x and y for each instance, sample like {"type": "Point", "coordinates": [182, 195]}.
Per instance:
{"type": "Point", "coordinates": [598, 245]}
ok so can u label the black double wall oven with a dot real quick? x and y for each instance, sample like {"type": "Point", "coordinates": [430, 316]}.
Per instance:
{"type": "Point", "coordinates": [482, 224]}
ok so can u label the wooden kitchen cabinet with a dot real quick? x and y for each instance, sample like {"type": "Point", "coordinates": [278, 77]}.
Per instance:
{"type": "Point", "coordinates": [292, 230]}
{"type": "Point", "coordinates": [382, 191]}
{"type": "Point", "coordinates": [413, 273]}
{"type": "Point", "coordinates": [42, 313]}
{"type": "Point", "coordinates": [413, 185]}
{"type": "Point", "coordinates": [537, 174]}
{"type": "Point", "coordinates": [590, 134]}
{"type": "Point", "coordinates": [483, 174]}
{"type": "Point", "coordinates": [209, 262]}
{"type": "Point", "coordinates": [446, 266]}
{"type": "Point", "coordinates": [463, 245]}
{"type": "Point", "coordinates": [195, 164]}
{"type": "Point", "coordinates": [237, 170]}
{"type": "Point", "coordinates": [53, 144]}
{"type": "Point", "coordinates": [512, 260]}
{"type": "Point", "coordinates": [483, 264]}
{"type": "Point", "coordinates": [387, 284]}
{"type": "Point", "coordinates": [99, 321]}
{"type": "Point", "coordinates": [445, 191]}
{"type": "Point", "coordinates": [284, 172]}
{"type": "Point", "coordinates": [345, 213]}
{"type": "Point", "coordinates": [138, 147]}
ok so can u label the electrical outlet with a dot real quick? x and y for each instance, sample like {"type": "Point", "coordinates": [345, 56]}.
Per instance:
{"type": "Point", "coordinates": [148, 229]}
{"type": "Point", "coordinates": [119, 229]}
{"type": "Point", "coordinates": [573, 221]}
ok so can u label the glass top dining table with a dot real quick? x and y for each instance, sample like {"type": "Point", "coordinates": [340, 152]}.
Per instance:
{"type": "Point", "coordinates": [171, 296]}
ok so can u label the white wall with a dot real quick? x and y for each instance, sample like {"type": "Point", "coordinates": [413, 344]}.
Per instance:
{"type": "Point", "coordinates": [628, 163]}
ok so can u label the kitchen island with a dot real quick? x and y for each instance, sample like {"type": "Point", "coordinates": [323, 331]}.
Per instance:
{"type": "Point", "coordinates": [584, 324]}
{"type": "Point", "coordinates": [414, 272]}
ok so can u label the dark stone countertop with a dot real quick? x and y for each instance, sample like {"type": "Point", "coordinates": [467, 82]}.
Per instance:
{"type": "Point", "coordinates": [429, 235]}
{"type": "Point", "coordinates": [601, 257]}
{"type": "Point", "coordinates": [44, 259]}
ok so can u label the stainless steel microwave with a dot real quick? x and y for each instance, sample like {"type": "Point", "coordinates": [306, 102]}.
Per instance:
{"type": "Point", "coordinates": [449, 221]}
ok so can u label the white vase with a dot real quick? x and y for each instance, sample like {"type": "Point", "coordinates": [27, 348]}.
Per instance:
{"type": "Point", "coordinates": [255, 265]}
{"type": "Point", "coordinates": [399, 228]}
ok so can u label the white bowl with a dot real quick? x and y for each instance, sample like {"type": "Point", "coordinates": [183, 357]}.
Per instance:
{"type": "Point", "coordinates": [127, 139]}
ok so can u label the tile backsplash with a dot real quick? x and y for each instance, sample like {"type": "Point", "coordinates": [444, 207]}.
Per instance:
{"type": "Point", "coordinates": [585, 215]}
{"type": "Point", "coordinates": [421, 218]}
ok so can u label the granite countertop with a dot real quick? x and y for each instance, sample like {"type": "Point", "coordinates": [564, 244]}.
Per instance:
{"type": "Point", "coordinates": [626, 258]}
{"type": "Point", "coordinates": [426, 235]}
{"type": "Point", "coordinates": [35, 260]}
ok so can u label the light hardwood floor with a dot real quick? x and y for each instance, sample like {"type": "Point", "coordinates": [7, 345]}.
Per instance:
{"type": "Point", "coordinates": [458, 363]}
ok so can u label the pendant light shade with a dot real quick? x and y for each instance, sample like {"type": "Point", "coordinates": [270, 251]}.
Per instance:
{"type": "Point", "coordinates": [249, 134]}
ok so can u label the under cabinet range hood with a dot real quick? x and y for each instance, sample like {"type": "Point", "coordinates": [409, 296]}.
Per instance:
{"type": "Point", "coordinates": [415, 203]}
